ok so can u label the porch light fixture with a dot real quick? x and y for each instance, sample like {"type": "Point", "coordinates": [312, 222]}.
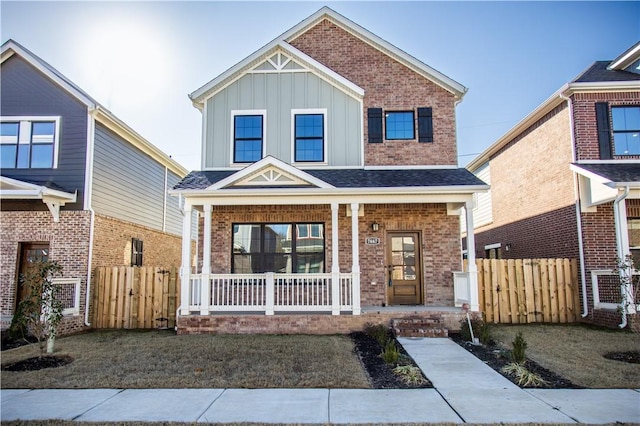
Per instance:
{"type": "Point", "coordinates": [375, 226]}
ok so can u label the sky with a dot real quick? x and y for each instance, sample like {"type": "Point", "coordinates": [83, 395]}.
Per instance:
{"type": "Point", "coordinates": [140, 60]}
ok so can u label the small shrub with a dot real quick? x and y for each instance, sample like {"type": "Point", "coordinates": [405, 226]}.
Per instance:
{"type": "Point", "coordinates": [410, 374]}
{"type": "Point", "coordinates": [390, 352]}
{"type": "Point", "coordinates": [480, 330]}
{"type": "Point", "coordinates": [378, 332]}
{"type": "Point", "coordinates": [519, 347]}
{"type": "Point", "coordinates": [523, 376]}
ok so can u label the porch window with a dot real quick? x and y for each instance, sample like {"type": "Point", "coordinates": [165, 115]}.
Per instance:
{"type": "Point", "coordinates": [626, 130]}
{"type": "Point", "coordinates": [248, 138]}
{"type": "Point", "coordinates": [278, 247]}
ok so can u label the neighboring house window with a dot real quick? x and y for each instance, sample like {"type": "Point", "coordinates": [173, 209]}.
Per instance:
{"type": "Point", "coordinates": [309, 137]}
{"type": "Point", "coordinates": [248, 138]}
{"type": "Point", "coordinates": [493, 251]}
{"type": "Point", "coordinates": [626, 130]}
{"type": "Point", "coordinates": [28, 143]}
{"type": "Point", "coordinates": [136, 252]}
{"type": "Point", "coordinates": [399, 125]}
{"type": "Point", "coordinates": [278, 247]}
{"type": "Point", "coordinates": [633, 224]}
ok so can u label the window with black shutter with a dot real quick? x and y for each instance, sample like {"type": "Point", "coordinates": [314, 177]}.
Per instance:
{"type": "Point", "coordinates": [136, 252]}
{"type": "Point", "coordinates": [604, 130]}
{"type": "Point", "coordinates": [375, 125]}
{"type": "Point", "coordinates": [425, 125]}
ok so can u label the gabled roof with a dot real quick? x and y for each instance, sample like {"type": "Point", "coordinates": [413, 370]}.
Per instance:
{"type": "Point", "coordinates": [100, 113]}
{"type": "Point", "coordinates": [597, 78]}
{"type": "Point", "coordinates": [283, 40]}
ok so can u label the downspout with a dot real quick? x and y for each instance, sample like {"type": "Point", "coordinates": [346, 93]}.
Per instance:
{"type": "Point", "coordinates": [576, 194]}
{"type": "Point", "coordinates": [88, 185]}
{"type": "Point", "coordinates": [620, 248]}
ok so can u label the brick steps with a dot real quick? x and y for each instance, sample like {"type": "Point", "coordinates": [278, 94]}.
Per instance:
{"type": "Point", "coordinates": [419, 326]}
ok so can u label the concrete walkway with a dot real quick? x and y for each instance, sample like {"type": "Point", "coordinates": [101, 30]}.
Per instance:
{"type": "Point", "coordinates": [466, 391]}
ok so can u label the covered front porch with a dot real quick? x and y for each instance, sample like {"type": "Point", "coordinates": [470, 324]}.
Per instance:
{"type": "Point", "coordinates": [348, 265]}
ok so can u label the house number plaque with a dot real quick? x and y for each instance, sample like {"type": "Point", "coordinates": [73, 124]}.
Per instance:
{"type": "Point", "coordinates": [372, 241]}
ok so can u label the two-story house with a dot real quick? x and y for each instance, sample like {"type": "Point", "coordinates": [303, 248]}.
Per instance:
{"type": "Point", "coordinates": [329, 185]}
{"type": "Point", "coordinates": [565, 182]}
{"type": "Point", "coordinates": [77, 186]}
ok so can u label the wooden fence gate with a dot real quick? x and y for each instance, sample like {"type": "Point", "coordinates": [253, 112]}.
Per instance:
{"type": "Point", "coordinates": [519, 291]}
{"type": "Point", "coordinates": [135, 297]}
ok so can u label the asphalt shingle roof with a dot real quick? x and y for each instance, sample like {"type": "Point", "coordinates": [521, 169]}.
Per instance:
{"type": "Point", "coordinates": [598, 72]}
{"type": "Point", "coordinates": [357, 178]}
{"type": "Point", "coordinates": [619, 173]}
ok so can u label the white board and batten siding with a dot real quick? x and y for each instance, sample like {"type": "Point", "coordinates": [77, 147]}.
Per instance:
{"type": "Point", "coordinates": [129, 185]}
{"type": "Point", "coordinates": [279, 94]}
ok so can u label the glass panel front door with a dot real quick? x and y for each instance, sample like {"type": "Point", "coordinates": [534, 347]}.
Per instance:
{"type": "Point", "coordinates": [403, 259]}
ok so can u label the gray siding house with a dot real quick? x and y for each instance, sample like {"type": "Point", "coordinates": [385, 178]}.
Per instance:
{"type": "Point", "coordinates": [77, 186]}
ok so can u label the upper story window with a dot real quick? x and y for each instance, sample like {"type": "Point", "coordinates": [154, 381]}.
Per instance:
{"type": "Point", "coordinates": [626, 130]}
{"type": "Point", "coordinates": [28, 143]}
{"type": "Point", "coordinates": [399, 125]}
{"type": "Point", "coordinates": [309, 137]}
{"type": "Point", "coordinates": [248, 137]}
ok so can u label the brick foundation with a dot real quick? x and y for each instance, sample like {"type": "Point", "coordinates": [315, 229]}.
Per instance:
{"type": "Point", "coordinates": [303, 323]}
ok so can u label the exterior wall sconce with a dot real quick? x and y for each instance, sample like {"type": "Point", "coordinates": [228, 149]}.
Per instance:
{"type": "Point", "coordinates": [375, 226]}
{"type": "Point", "coordinates": [507, 247]}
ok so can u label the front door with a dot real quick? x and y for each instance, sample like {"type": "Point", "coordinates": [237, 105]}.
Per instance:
{"type": "Point", "coordinates": [31, 255]}
{"type": "Point", "coordinates": [403, 265]}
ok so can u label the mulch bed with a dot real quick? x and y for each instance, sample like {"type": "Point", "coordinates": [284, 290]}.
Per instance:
{"type": "Point", "coordinates": [381, 373]}
{"type": "Point", "coordinates": [496, 358]}
{"type": "Point", "coordinates": [632, 357]}
{"type": "Point", "coordinates": [38, 363]}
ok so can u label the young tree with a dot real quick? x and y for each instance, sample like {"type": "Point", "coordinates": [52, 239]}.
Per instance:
{"type": "Point", "coordinates": [40, 312]}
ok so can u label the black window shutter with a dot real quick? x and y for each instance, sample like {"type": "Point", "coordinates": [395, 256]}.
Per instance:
{"type": "Point", "coordinates": [375, 125]}
{"type": "Point", "coordinates": [604, 130]}
{"type": "Point", "coordinates": [425, 125]}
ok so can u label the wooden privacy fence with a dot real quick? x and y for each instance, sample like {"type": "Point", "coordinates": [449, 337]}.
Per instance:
{"type": "Point", "coordinates": [519, 291]}
{"type": "Point", "coordinates": [135, 297]}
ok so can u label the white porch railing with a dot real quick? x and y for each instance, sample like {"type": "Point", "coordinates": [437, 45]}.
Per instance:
{"type": "Point", "coordinates": [461, 288]}
{"type": "Point", "coordinates": [270, 293]}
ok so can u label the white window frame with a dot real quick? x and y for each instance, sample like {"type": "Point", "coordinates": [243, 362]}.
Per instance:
{"type": "Point", "coordinates": [24, 136]}
{"type": "Point", "coordinates": [75, 309]}
{"type": "Point", "coordinates": [232, 131]}
{"type": "Point", "coordinates": [325, 154]}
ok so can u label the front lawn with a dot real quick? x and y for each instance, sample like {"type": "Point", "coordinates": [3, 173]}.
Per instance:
{"type": "Point", "coordinates": [161, 359]}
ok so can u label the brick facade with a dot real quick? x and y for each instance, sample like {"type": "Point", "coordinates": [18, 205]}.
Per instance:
{"type": "Point", "coordinates": [303, 323]}
{"type": "Point", "coordinates": [438, 231]}
{"type": "Point", "coordinates": [390, 85]}
{"type": "Point", "coordinates": [68, 245]}
{"type": "Point", "coordinates": [112, 244]}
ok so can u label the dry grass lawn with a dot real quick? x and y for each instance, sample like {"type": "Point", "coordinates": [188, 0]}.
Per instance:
{"type": "Point", "coordinates": [576, 352]}
{"type": "Point", "coordinates": [160, 359]}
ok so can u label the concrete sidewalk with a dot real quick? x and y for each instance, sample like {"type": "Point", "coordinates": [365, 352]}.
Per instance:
{"type": "Point", "coordinates": [466, 391]}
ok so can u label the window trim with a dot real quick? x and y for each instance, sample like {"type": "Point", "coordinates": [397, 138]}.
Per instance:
{"type": "Point", "coordinates": [27, 122]}
{"type": "Point", "coordinates": [413, 124]}
{"type": "Point", "coordinates": [293, 253]}
{"type": "Point", "coordinates": [309, 111]}
{"type": "Point", "coordinates": [614, 131]}
{"type": "Point", "coordinates": [75, 282]}
{"type": "Point", "coordinates": [232, 136]}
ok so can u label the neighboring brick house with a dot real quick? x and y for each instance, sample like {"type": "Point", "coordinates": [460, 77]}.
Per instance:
{"type": "Point", "coordinates": [565, 182]}
{"type": "Point", "coordinates": [329, 184]}
{"type": "Point", "coordinates": [77, 186]}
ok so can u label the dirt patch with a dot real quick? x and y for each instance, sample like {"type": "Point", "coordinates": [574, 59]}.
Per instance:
{"type": "Point", "coordinates": [632, 357]}
{"type": "Point", "coordinates": [496, 357]}
{"type": "Point", "coordinates": [381, 373]}
{"type": "Point", "coordinates": [39, 363]}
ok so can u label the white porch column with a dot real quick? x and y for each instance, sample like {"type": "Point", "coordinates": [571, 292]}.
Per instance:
{"type": "Point", "coordinates": [474, 304]}
{"type": "Point", "coordinates": [335, 259]}
{"type": "Point", "coordinates": [628, 304]}
{"type": "Point", "coordinates": [205, 290]}
{"type": "Point", "coordinates": [185, 268]}
{"type": "Point", "coordinates": [355, 266]}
